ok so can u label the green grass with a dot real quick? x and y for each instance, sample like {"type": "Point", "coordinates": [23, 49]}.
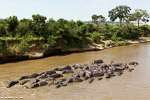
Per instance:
{"type": "Point", "coordinates": [119, 43]}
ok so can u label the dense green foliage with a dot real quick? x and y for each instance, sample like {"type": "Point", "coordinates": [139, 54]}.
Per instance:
{"type": "Point", "coordinates": [66, 33]}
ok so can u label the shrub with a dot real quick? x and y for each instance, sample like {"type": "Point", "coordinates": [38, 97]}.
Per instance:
{"type": "Point", "coordinates": [111, 43]}
{"type": "Point", "coordinates": [120, 43]}
{"type": "Point", "coordinates": [115, 38]}
{"type": "Point", "coordinates": [95, 37]}
{"type": "Point", "coordinates": [52, 40]}
{"type": "Point", "coordinates": [102, 38]}
{"type": "Point", "coordinates": [145, 30]}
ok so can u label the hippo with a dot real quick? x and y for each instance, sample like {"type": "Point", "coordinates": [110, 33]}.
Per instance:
{"type": "Point", "coordinates": [12, 83]}
{"type": "Point", "coordinates": [124, 66]}
{"type": "Point", "coordinates": [81, 66]}
{"type": "Point", "coordinates": [105, 70]}
{"type": "Point", "coordinates": [29, 76]}
{"type": "Point", "coordinates": [134, 63]}
{"type": "Point", "coordinates": [70, 80]}
{"type": "Point", "coordinates": [64, 84]}
{"type": "Point", "coordinates": [86, 77]}
{"type": "Point", "coordinates": [48, 79]}
{"type": "Point", "coordinates": [86, 66]}
{"type": "Point", "coordinates": [42, 83]}
{"type": "Point", "coordinates": [97, 74]}
{"type": "Point", "coordinates": [41, 76]}
{"type": "Point", "coordinates": [26, 87]}
{"type": "Point", "coordinates": [58, 85]}
{"type": "Point", "coordinates": [97, 61]}
{"type": "Point", "coordinates": [61, 68]}
{"type": "Point", "coordinates": [119, 73]}
{"type": "Point", "coordinates": [63, 80]}
{"type": "Point", "coordinates": [76, 66]}
{"type": "Point", "coordinates": [110, 71]}
{"type": "Point", "coordinates": [76, 75]}
{"type": "Point", "coordinates": [91, 80]}
{"type": "Point", "coordinates": [104, 66]}
{"type": "Point", "coordinates": [116, 64]}
{"type": "Point", "coordinates": [77, 80]}
{"type": "Point", "coordinates": [59, 81]}
{"type": "Point", "coordinates": [82, 73]}
{"type": "Point", "coordinates": [34, 85]}
{"type": "Point", "coordinates": [112, 68]}
{"type": "Point", "coordinates": [130, 69]}
{"type": "Point", "coordinates": [48, 72]}
{"type": "Point", "coordinates": [35, 81]}
{"type": "Point", "coordinates": [90, 75]}
{"type": "Point", "coordinates": [108, 75]}
{"type": "Point", "coordinates": [52, 83]}
{"type": "Point", "coordinates": [56, 75]}
{"type": "Point", "coordinates": [99, 78]}
{"type": "Point", "coordinates": [24, 82]}
{"type": "Point", "coordinates": [67, 71]}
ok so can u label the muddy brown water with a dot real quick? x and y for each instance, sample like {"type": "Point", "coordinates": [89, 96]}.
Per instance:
{"type": "Point", "coordinates": [133, 85]}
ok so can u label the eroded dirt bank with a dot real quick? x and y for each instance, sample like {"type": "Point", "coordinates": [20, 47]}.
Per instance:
{"type": "Point", "coordinates": [37, 50]}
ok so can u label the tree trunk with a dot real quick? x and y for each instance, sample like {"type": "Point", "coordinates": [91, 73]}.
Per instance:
{"type": "Point", "coordinates": [120, 22]}
{"type": "Point", "coordinates": [138, 23]}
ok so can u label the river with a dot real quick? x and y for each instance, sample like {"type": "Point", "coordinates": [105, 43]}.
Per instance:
{"type": "Point", "coordinates": [133, 85]}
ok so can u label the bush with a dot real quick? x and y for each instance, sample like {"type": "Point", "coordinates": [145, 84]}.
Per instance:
{"type": "Point", "coordinates": [120, 43]}
{"type": "Point", "coordinates": [102, 38]}
{"type": "Point", "coordinates": [145, 30]}
{"type": "Point", "coordinates": [52, 40]}
{"type": "Point", "coordinates": [111, 43]}
{"type": "Point", "coordinates": [95, 37]}
{"type": "Point", "coordinates": [114, 38]}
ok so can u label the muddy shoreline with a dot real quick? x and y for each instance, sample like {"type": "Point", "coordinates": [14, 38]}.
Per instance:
{"type": "Point", "coordinates": [46, 52]}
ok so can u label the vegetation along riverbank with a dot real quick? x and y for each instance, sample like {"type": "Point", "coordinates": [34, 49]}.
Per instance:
{"type": "Point", "coordinates": [41, 37]}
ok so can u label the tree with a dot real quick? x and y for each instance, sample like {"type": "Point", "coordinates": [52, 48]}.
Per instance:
{"type": "Point", "coordinates": [12, 24]}
{"type": "Point", "coordinates": [101, 18]}
{"type": "Point", "coordinates": [140, 15]}
{"type": "Point", "coordinates": [39, 18]}
{"type": "Point", "coordinates": [94, 18]}
{"type": "Point", "coordinates": [39, 25]}
{"type": "Point", "coordinates": [3, 26]}
{"type": "Point", "coordinates": [24, 27]}
{"type": "Point", "coordinates": [121, 12]}
{"type": "Point", "coordinates": [98, 18]}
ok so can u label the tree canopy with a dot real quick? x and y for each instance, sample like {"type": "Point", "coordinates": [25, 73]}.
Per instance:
{"type": "Point", "coordinates": [140, 15]}
{"type": "Point", "coordinates": [122, 12]}
{"type": "Point", "coordinates": [98, 18]}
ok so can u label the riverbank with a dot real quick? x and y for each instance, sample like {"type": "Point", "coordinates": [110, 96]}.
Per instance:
{"type": "Point", "coordinates": [37, 49]}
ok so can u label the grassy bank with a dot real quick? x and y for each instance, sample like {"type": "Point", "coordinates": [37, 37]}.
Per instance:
{"type": "Point", "coordinates": [22, 49]}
